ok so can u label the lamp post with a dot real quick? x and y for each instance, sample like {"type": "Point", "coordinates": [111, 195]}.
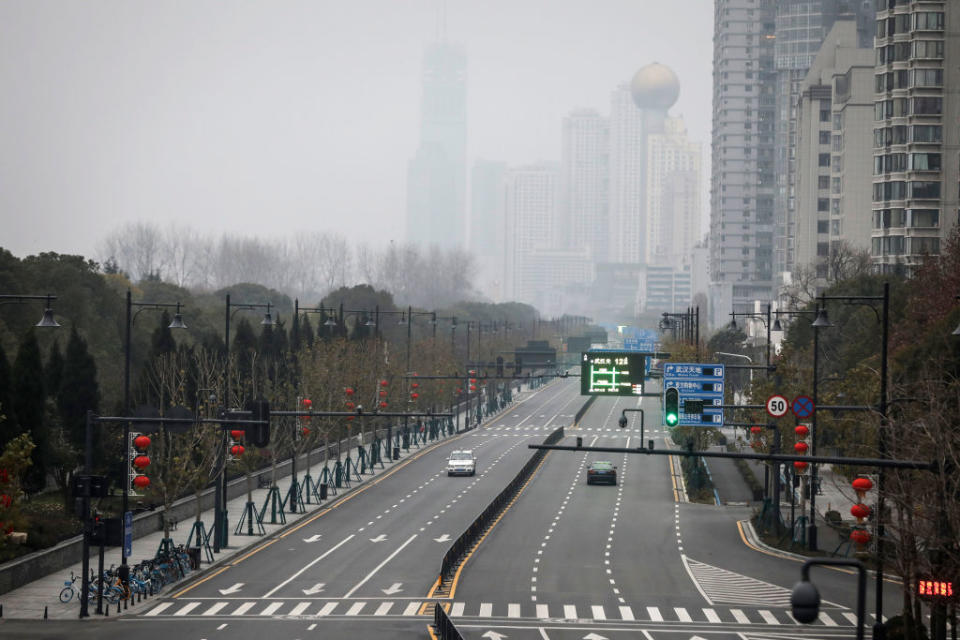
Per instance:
{"type": "Point", "coordinates": [765, 319]}
{"type": "Point", "coordinates": [221, 524]}
{"type": "Point", "coordinates": [47, 320]}
{"type": "Point", "coordinates": [176, 323]}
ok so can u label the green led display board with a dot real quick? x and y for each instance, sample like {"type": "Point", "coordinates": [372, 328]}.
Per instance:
{"type": "Point", "coordinates": [612, 373]}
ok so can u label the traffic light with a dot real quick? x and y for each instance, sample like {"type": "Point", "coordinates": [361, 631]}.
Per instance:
{"type": "Point", "coordinates": [671, 406]}
{"type": "Point", "coordinates": [258, 434]}
{"type": "Point", "coordinates": [98, 530]}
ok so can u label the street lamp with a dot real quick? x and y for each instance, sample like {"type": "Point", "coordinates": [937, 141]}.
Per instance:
{"type": "Point", "coordinates": [220, 535]}
{"type": "Point", "coordinates": [765, 319]}
{"type": "Point", "coordinates": [47, 320]}
{"type": "Point", "coordinates": [131, 317]}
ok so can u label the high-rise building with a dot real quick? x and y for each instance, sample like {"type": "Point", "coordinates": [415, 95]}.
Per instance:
{"type": "Point", "coordinates": [916, 172]}
{"type": "Point", "coordinates": [437, 174]}
{"type": "Point", "coordinates": [833, 151]}
{"type": "Point", "coordinates": [742, 181]}
{"type": "Point", "coordinates": [801, 27]}
{"type": "Point", "coordinates": [584, 183]}
{"type": "Point", "coordinates": [672, 195]}
{"type": "Point", "coordinates": [487, 224]}
{"type": "Point", "coordinates": [530, 214]}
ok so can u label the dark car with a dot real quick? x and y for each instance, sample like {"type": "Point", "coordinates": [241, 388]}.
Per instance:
{"type": "Point", "coordinates": [601, 471]}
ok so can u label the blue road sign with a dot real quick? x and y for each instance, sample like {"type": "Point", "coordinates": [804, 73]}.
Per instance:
{"type": "Point", "coordinates": [127, 534]}
{"type": "Point", "coordinates": [697, 382]}
{"type": "Point", "coordinates": [802, 407]}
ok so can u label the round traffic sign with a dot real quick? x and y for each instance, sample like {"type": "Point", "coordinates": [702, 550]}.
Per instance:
{"type": "Point", "coordinates": [802, 407]}
{"type": "Point", "coordinates": [777, 406]}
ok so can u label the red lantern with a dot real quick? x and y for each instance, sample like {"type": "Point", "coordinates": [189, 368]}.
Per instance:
{"type": "Point", "coordinates": [414, 395]}
{"type": "Point", "coordinates": [859, 511]}
{"type": "Point", "coordinates": [383, 383]}
{"type": "Point", "coordinates": [801, 447]}
{"type": "Point", "coordinates": [802, 431]}
{"type": "Point", "coordinates": [141, 482]}
{"type": "Point", "coordinates": [348, 391]}
{"type": "Point", "coordinates": [141, 442]}
{"type": "Point", "coordinates": [862, 484]}
{"type": "Point", "coordinates": [756, 444]}
{"type": "Point", "coordinates": [473, 387]}
{"type": "Point", "coordinates": [415, 385]}
{"type": "Point", "coordinates": [307, 402]}
{"type": "Point", "coordinates": [756, 430]}
{"type": "Point", "coordinates": [236, 434]}
{"type": "Point", "coordinates": [459, 390]}
{"type": "Point", "coordinates": [350, 405]}
{"type": "Point", "coordinates": [141, 462]}
{"type": "Point", "coordinates": [860, 536]}
{"type": "Point", "coordinates": [383, 394]}
{"type": "Point", "coordinates": [473, 381]}
{"type": "Point", "coordinates": [237, 450]}
{"type": "Point", "coordinates": [349, 418]}
{"type": "Point", "coordinates": [305, 431]}
{"type": "Point", "coordinates": [800, 465]}
{"type": "Point", "coordinates": [383, 404]}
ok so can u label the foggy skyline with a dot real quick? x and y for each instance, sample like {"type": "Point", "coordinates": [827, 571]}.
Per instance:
{"type": "Point", "coordinates": [272, 117]}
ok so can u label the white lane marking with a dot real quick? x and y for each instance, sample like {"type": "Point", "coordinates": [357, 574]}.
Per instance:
{"type": "Point", "coordinates": [411, 609]}
{"type": "Point", "coordinates": [242, 609]}
{"type": "Point", "coordinates": [380, 566]}
{"type": "Point", "coordinates": [313, 562]}
{"type": "Point", "coordinates": [327, 608]}
{"type": "Point", "coordinates": [222, 627]}
{"type": "Point", "coordinates": [543, 611]}
{"type": "Point", "coordinates": [768, 617]}
{"type": "Point", "coordinates": [383, 609]}
{"type": "Point", "coordinates": [513, 610]}
{"type": "Point", "coordinates": [187, 609]}
{"type": "Point", "coordinates": [486, 609]}
{"type": "Point", "coordinates": [852, 617]}
{"type": "Point", "coordinates": [216, 607]}
{"type": "Point", "coordinates": [312, 627]}
{"type": "Point", "coordinates": [740, 616]}
{"type": "Point", "coordinates": [598, 612]}
{"type": "Point", "coordinates": [827, 620]}
{"type": "Point", "coordinates": [626, 613]}
{"type": "Point", "coordinates": [711, 616]}
{"type": "Point", "coordinates": [457, 609]}
{"type": "Point", "coordinates": [271, 608]}
{"type": "Point", "coordinates": [355, 609]}
{"type": "Point", "coordinates": [654, 614]}
{"type": "Point", "coordinates": [570, 612]}
{"type": "Point", "coordinates": [300, 608]}
{"type": "Point", "coordinates": [682, 614]}
{"type": "Point", "coordinates": [158, 609]}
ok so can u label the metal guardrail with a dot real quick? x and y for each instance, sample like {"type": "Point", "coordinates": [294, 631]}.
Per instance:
{"type": "Point", "coordinates": [466, 541]}
{"type": "Point", "coordinates": [444, 625]}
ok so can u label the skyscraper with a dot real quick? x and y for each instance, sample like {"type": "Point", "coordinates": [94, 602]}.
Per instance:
{"type": "Point", "coordinates": [437, 174]}
{"type": "Point", "coordinates": [672, 195]}
{"type": "Point", "coordinates": [487, 223]}
{"type": "Point", "coordinates": [530, 214]}
{"type": "Point", "coordinates": [742, 181]}
{"type": "Point", "coordinates": [584, 183]}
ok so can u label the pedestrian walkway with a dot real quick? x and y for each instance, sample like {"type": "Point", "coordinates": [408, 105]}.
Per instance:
{"type": "Point", "coordinates": [41, 597]}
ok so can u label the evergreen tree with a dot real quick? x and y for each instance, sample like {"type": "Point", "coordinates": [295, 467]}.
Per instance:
{"type": "Point", "coordinates": [306, 333]}
{"type": "Point", "coordinates": [79, 391]}
{"type": "Point", "coordinates": [295, 333]}
{"type": "Point", "coordinates": [53, 372]}
{"type": "Point", "coordinates": [28, 406]}
{"type": "Point", "coordinates": [162, 342]}
{"type": "Point", "coordinates": [244, 348]}
{"type": "Point", "coordinates": [9, 430]}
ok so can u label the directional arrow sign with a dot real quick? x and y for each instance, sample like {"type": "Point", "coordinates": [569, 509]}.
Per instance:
{"type": "Point", "coordinates": [443, 538]}
{"type": "Point", "coordinates": [394, 588]}
{"type": "Point", "coordinates": [232, 589]}
{"type": "Point", "coordinates": [493, 635]}
{"type": "Point", "coordinates": [312, 538]}
{"type": "Point", "coordinates": [379, 538]}
{"type": "Point", "coordinates": [594, 636]}
{"type": "Point", "coordinates": [317, 588]}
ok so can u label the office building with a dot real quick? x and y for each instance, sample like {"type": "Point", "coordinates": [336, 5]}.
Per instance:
{"type": "Point", "coordinates": [529, 217]}
{"type": "Point", "coordinates": [584, 183]}
{"type": "Point", "coordinates": [672, 195]}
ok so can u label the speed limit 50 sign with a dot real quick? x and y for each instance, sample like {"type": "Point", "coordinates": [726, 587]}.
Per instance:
{"type": "Point", "coordinates": [777, 406]}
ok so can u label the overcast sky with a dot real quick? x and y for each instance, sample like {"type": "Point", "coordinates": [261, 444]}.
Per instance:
{"type": "Point", "coordinates": [273, 116]}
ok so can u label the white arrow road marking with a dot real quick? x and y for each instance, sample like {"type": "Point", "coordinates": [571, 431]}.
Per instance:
{"type": "Point", "coordinates": [232, 589]}
{"type": "Point", "coordinates": [315, 561]}
{"type": "Point", "coordinates": [394, 588]}
{"type": "Point", "coordinates": [380, 566]}
{"type": "Point", "coordinates": [493, 635]}
{"type": "Point", "coordinates": [443, 538]}
{"type": "Point", "coordinates": [317, 588]}
{"type": "Point", "coordinates": [379, 538]}
{"type": "Point", "coordinates": [312, 538]}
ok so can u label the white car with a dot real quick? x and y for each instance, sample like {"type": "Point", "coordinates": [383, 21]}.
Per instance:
{"type": "Point", "coordinates": [462, 462]}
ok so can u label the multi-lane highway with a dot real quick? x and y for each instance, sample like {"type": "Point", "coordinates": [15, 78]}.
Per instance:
{"type": "Point", "coordinates": [566, 560]}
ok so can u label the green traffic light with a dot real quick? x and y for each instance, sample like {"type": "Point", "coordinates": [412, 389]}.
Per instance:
{"type": "Point", "coordinates": [671, 406]}
{"type": "Point", "coordinates": [671, 419]}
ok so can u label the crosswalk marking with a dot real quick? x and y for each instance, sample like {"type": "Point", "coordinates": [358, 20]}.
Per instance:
{"type": "Point", "coordinates": [598, 612]}
{"type": "Point", "coordinates": [411, 609]}
{"type": "Point", "coordinates": [852, 617]}
{"type": "Point", "coordinates": [827, 620]}
{"type": "Point", "coordinates": [569, 612]}
{"type": "Point", "coordinates": [740, 616]}
{"type": "Point", "coordinates": [327, 608]}
{"type": "Point", "coordinates": [242, 609]}
{"type": "Point", "coordinates": [300, 608]}
{"type": "Point", "coordinates": [457, 609]}
{"type": "Point", "coordinates": [355, 609]}
{"type": "Point", "coordinates": [682, 614]}
{"type": "Point", "coordinates": [768, 617]}
{"type": "Point", "coordinates": [486, 610]}
{"type": "Point", "coordinates": [159, 608]}
{"type": "Point", "coordinates": [543, 611]}
{"type": "Point", "coordinates": [271, 608]}
{"type": "Point", "coordinates": [216, 607]}
{"type": "Point", "coordinates": [383, 609]}
{"type": "Point", "coordinates": [187, 609]}
{"type": "Point", "coordinates": [626, 613]}
{"type": "Point", "coordinates": [513, 610]}
{"type": "Point", "coordinates": [711, 616]}
{"type": "Point", "coordinates": [654, 614]}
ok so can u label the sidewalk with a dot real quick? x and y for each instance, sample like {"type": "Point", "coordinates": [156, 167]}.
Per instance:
{"type": "Point", "coordinates": [32, 599]}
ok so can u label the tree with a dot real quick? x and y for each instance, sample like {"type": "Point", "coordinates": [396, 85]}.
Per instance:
{"type": "Point", "coordinates": [28, 405]}
{"type": "Point", "coordinates": [15, 461]}
{"type": "Point", "coordinates": [162, 341]}
{"type": "Point", "coordinates": [10, 429]}
{"type": "Point", "coordinates": [54, 370]}
{"type": "Point", "coordinates": [79, 392]}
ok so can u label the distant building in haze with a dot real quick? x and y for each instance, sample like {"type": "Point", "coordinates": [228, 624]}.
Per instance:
{"type": "Point", "coordinates": [487, 224]}
{"type": "Point", "coordinates": [584, 183]}
{"type": "Point", "coordinates": [436, 176]}
{"type": "Point", "coordinates": [529, 216]}
{"type": "Point", "coordinates": [672, 195]}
